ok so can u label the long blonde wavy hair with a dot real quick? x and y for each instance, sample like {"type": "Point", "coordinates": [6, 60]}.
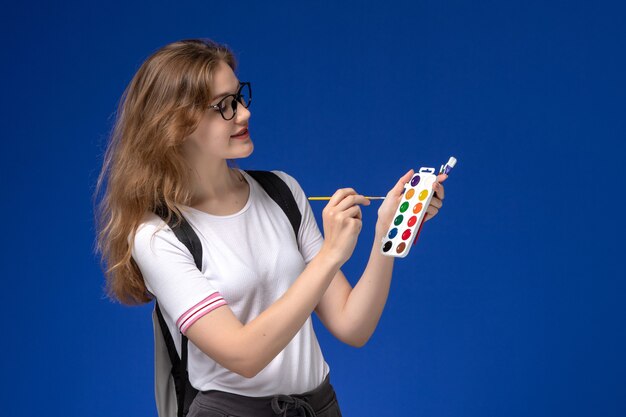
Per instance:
{"type": "Point", "coordinates": [143, 166]}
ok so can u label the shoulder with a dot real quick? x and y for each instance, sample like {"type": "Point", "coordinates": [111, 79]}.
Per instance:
{"type": "Point", "coordinates": [293, 184]}
{"type": "Point", "coordinates": [150, 224]}
{"type": "Point", "coordinates": [152, 233]}
{"type": "Point", "coordinates": [282, 174]}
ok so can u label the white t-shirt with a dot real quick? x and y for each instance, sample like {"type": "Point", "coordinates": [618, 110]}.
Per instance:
{"type": "Point", "coordinates": [249, 259]}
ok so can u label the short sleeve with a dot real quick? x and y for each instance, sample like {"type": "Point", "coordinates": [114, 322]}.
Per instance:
{"type": "Point", "coordinates": [310, 237]}
{"type": "Point", "coordinates": [171, 275]}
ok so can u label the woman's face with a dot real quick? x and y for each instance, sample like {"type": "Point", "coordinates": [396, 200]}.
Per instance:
{"type": "Point", "coordinates": [213, 139]}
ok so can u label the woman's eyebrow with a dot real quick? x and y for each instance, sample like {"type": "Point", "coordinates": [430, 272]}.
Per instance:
{"type": "Point", "coordinates": [226, 93]}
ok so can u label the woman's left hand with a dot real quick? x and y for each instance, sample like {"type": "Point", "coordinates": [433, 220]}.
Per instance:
{"type": "Point", "coordinates": [388, 208]}
{"type": "Point", "coordinates": [437, 201]}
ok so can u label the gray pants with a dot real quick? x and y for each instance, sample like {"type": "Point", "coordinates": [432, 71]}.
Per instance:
{"type": "Point", "coordinates": [319, 402]}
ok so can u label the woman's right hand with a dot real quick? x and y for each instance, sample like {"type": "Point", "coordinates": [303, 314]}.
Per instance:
{"type": "Point", "coordinates": [342, 223]}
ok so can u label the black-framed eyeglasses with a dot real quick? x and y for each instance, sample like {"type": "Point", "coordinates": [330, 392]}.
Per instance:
{"type": "Point", "coordinates": [227, 106]}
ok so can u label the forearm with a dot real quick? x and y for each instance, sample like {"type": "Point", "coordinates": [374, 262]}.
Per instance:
{"type": "Point", "coordinates": [268, 334]}
{"type": "Point", "coordinates": [367, 299]}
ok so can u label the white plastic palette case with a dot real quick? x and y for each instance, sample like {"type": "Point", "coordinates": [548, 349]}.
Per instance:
{"type": "Point", "coordinates": [408, 219]}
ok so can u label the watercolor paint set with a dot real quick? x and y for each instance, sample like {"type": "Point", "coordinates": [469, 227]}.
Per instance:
{"type": "Point", "coordinates": [409, 217]}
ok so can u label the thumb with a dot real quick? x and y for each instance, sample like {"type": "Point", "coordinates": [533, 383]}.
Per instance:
{"type": "Point", "coordinates": [397, 189]}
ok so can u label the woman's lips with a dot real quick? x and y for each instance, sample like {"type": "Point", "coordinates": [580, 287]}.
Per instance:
{"type": "Point", "coordinates": [242, 135]}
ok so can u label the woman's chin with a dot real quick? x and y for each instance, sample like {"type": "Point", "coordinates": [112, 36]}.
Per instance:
{"type": "Point", "coordinates": [245, 143]}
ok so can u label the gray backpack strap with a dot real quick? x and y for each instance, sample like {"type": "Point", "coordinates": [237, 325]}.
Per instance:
{"type": "Point", "coordinates": [164, 388]}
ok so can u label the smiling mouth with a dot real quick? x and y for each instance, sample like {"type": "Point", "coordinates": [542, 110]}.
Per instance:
{"type": "Point", "coordinates": [243, 132]}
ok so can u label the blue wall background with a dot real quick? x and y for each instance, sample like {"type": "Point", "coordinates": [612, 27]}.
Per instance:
{"type": "Point", "coordinates": [511, 303]}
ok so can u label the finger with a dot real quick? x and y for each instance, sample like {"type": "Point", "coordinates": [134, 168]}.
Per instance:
{"type": "Point", "coordinates": [408, 174]}
{"type": "Point", "coordinates": [340, 195]}
{"type": "Point", "coordinates": [438, 188]}
{"type": "Point", "coordinates": [442, 177]}
{"type": "Point", "coordinates": [429, 215]}
{"type": "Point", "coordinates": [432, 211]}
{"type": "Point", "coordinates": [354, 211]}
{"type": "Point", "coordinates": [436, 202]}
{"type": "Point", "coordinates": [397, 189]}
{"type": "Point", "coordinates": [405, 178]}
{"type": "Point", "coordinates": [351, 200]}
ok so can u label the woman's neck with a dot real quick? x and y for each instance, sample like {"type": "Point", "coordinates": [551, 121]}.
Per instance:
{"type": "Point", "coordinates": [216, 183]}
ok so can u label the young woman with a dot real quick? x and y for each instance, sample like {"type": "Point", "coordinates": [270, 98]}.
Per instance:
{"type": "Point", "coordinates": [247, 313]}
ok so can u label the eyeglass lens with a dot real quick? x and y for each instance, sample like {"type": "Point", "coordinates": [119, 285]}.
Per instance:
{"type": "Point", "coordinates": [229, 104]}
